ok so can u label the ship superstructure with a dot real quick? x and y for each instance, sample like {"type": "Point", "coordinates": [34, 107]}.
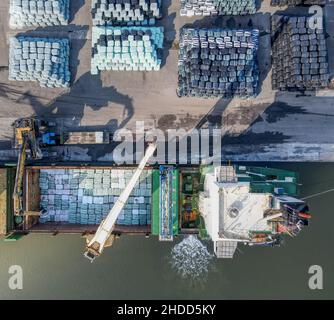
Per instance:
{"type": "Point", "coordinates": [250, 205]}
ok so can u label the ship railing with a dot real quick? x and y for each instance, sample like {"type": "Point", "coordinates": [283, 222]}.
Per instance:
{"type": "Point", "coordinates": [237, 234]}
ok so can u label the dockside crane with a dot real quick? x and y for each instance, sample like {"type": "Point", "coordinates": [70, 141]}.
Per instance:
{"type": "Point", "coordinates": [95, 246]}
{"type": "Point", "coordinates": [25, 139]}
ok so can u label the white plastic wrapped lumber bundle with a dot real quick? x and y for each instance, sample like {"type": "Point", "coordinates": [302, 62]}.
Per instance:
{"type": "Point", "coordinates": [282, 3]}
{"type": "Point", "coordinates": [126, 48]}
{"type": "Point", "coordinates": [38, 13]}
{"type": "Point", "coordinates": [44, 60]}
{"type": "Point", "coordinates": [126, 12]}
{"type": "Point", "coordinates": [218, 63]}
{"type": "Point", "coordinates": [299, 55]}
{"type": "Point", "coordinates": [85, 196]}
{"type": "Point", "coordinates": [191, 8]}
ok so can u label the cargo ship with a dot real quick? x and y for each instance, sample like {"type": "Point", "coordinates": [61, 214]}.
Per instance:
{"type": "Point", "coordinates": [227, 204]}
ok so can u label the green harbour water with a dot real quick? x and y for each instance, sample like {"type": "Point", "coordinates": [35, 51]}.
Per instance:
{"type": "Point", "coordinates": [139, 268]}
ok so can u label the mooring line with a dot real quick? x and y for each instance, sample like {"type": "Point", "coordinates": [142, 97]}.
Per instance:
{"type": "Point", "coordinates": [317, 194]}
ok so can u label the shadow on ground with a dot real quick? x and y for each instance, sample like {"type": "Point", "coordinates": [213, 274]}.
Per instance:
{"type": "Point", "coordinates": [87, 91]}
{"type": "Point", "coordinates": [168, 22]}
{"type": "Point", "coordinates": [75, 7]}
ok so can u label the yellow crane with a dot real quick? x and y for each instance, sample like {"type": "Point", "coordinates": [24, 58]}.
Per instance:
{"type": "Point", "coordinates": [25, 138]}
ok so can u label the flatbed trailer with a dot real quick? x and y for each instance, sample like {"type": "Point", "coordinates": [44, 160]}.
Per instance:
{"type": "Point", "coordinates": [83, 137]}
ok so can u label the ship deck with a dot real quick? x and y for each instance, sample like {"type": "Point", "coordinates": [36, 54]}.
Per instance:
{"type": "Point", "coordinates": [60, 227]}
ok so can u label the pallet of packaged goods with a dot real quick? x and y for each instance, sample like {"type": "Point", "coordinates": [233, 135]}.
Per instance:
{"type": "Point", "coordinates": [299, 55]}
{"type": "Point", "coordinates": [292, 3]}
{"type": "Point", "coordinates": [218, 63]}
{"type": "Point", "coordinates": [85, 196]}
{"type": "Point", "coordinates": [44, 60]}
{"type": "Point", "coordinates": [38, 13]}
{"type": "Point", "coordinates": [191, 8]}
{"type": "Point", "coordinates": [126, 12]}
{"type": "Point", "coordinates": [126, 48]}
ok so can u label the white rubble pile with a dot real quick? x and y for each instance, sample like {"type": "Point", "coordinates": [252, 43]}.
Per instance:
{"type": "Point", "coordinates": [190, 258]}
{"type": "Point", "coordinates": [38, 13]}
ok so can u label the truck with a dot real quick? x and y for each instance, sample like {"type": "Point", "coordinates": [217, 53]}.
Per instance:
{"type": "Point", "coordinates": [76, 138]}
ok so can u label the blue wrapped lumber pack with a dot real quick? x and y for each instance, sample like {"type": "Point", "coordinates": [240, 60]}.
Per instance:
{"type": "Point", "coordinates": [38, 13]}
{"type": "Point", "coordinates": [191, 8]}
{"type": "Point", "coordinates": [85, 196]}
{"type": "Point", "coordinates": [44, 60]}
{"type": "Point", "coordinates": [126, 12]}
{"type": "Point", "coordinates": [126, 48]}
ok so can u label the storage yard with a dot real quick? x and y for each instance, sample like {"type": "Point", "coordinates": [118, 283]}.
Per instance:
{"type": "Point", "coordinates": [118, 99]}
{"type": "Point", "coordinates": [236, 60]}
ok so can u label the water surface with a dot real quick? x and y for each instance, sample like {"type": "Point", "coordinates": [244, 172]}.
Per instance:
{"type": "Point", "coordinates": [138, 268]}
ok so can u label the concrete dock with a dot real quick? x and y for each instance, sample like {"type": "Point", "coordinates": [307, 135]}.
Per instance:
{"type": "Point", "coordinates": [272, 127]}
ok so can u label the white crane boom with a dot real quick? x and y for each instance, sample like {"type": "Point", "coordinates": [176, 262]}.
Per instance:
{"type": "Point", "coordinates": [95, 247]}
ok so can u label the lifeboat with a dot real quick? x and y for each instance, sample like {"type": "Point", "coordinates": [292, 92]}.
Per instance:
{"type": "Point", "coordinates": [304, 215]}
